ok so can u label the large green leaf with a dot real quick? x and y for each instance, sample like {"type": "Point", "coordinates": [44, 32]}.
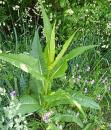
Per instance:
{"type": "Point", "coordinates": [28, 105]}
{"type": "Point", "coordinates": [36, 52]}
{"type": "Point", "coordinates": [59, 70]}
{"type": "Point", "coordinates": [77, 51]}
{"type": "Point", "coordinates": [64, 48]}
{"type": "Point", "coordinates": [57, 98]}
{"type": "Point", "coordinates": [61, 97]}
{"type": "Point", "coordinates": [52, 46]}
{"type": "Point", "coordinates": [24, 62]}
{"type": "Point", "coordinates": [61, 67]}
{"type": "Point", "coordinates": [67, 118]}
{"type": "Point", "coordinates": [85, 101]}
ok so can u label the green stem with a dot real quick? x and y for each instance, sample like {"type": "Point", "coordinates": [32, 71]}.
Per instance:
{"type": "Point", "coordinates": [47, 86]}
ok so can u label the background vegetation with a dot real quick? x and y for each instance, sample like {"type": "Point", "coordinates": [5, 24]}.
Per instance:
{"type": "Point", "coordinates": [87, 78]}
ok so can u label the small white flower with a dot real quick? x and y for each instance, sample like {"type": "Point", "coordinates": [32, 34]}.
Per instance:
{"type": "Point", "coordinates": [79, 76]}
{"type": "Point", "coordinates": [77, 65]}
{"type": "Point", "coordinates": [88, 69]}
{"type": "Point", "coordinates": [11, 124]}
{"type": "Point", "coordinates": [17, 7]}
{"type": "Point", "coordinates": [15, 24]}
{"type": "Point", "coordinates": [92, 82]}
{"type": "Point", "coordinates": [73, 77]}
{"type": "Point", "coordinates": [3, 23]}
{"type": "Point", "coordinates": [46, 117]}
{"type": "Point", "coordinates": [25, 122]}
{"type": "Point", "coordinates": [60, 127]}
{"type": "Point", "coordinates": [13, 8]}
{"type": "Point", "coordinates": [86, 90]}
{"type": "Point", "coordinates": [0, 51]}
{"type": "Point", "coordinates": [65, 77]}
{"type": "Point", "coordinates": [105, 46]}
{"type": "Point", "coordinates": [17, 120]}
{"type": "Point", "coordinates": [2, 91]}
{"type": "Point", "coordinates": [105, 80]}
{"type": "Point", "coordinates": [109, 25]}
{"type": "Point", "coordinates": [86, 10]}
{"type": "Point", "coordinates": [3, 2]}
{"type": "Point", "coordinates": [99, 97]}
{"type": "Point", "coordinates": [0, 2]}
{"type": "Point", "coordinates": [69, 12]}
{"type": "Point", "coordinates": [30, 20]}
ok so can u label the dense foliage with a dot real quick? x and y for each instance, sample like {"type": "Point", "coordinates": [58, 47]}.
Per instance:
{"type": "Point", "coordinates": [55, 65]}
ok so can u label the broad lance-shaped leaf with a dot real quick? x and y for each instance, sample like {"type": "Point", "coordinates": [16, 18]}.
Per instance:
{"type": "Point", "coordinates": [52, 46]}
{"type": "Point", "coordinates": [27, 105]}
{"type": "Point", "coordinates": [77, 51]}
{"type": "Point", "coordinates": [67, 118]}
{"type": "Point", "coordinates": [35, 85]}
{"type": "Point", "coordinates": [59, 70]}
{"type": "Point", "coordinates": [24, 62]}
{"type": "Point", "coordinates": [36, 52]}
{"type": "Point", "coordinates": [60, 55]}
{"type": "Point", "coordinates": [57, 98]}
{"type": "Point", "coordinates": [64, 48]}
{"type": "Point", "coordinates": [85, 101]}
{"type": "Point", "coordinates": [61, 97]}
{"type": "Point", "coordinates": [61, 67]}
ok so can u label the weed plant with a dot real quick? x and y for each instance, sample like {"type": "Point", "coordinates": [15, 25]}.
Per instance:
{"type": "Point", "coordinates": [60, 88]}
